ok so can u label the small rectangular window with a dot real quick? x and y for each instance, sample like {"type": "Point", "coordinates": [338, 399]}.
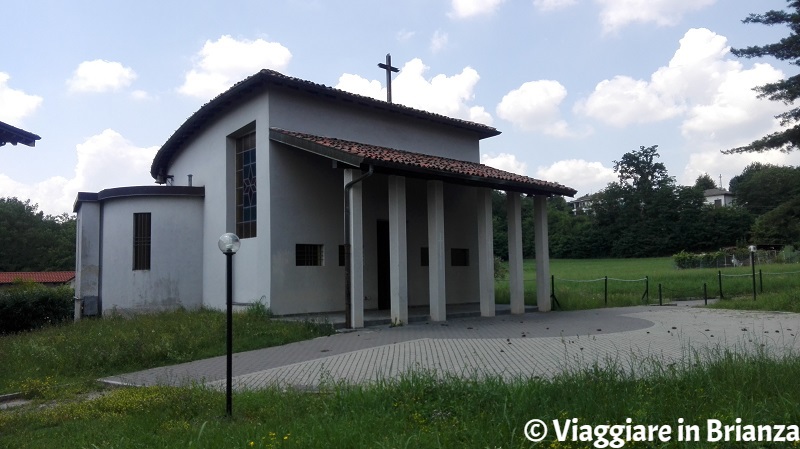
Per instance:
{"type": "Point", "coordinates": [341, 255]}
{"type": "Point", "coordinates": [459, 257]}
{"type": "Point", "coordinates": [141, 241]}
{"type": "Point", "coordinates": [423, 256]}
{"type": "Point", "coordinates": [308, 255]}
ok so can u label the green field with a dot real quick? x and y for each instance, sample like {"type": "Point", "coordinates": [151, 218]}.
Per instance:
{"type": "Point", "coordinates": [626, 285]}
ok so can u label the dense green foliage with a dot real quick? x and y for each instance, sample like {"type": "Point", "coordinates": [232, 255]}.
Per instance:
{"type": "Point", "coordinates": [786, 90]}
{"type": "Point", "coordinates": [643, 214]}
{"type": "Point", "coordinates": [32, 241]}
{"type": "Point", "coordinates": [27, 306]}
{"type": "Point", "coordinates": [426, 410]}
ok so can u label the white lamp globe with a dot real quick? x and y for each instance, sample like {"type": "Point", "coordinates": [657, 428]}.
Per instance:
{"type": "Point", "coordinates": [229, 243]}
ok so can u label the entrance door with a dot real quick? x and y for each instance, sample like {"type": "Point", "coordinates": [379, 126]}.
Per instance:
{"type": "Point", "coordinates": [384, 289]}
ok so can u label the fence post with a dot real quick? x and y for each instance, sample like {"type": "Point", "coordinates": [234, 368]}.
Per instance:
{"type": "Point", "coordinates": [605, 291]}
{"type": "Point", "coordinates": [646, 289]}
{"type": "Point", "coordinates": [660, 303]}
{"type": "Point", "coordinates": [720, 284]}
{"type": "Point", "coordinates": [753, 266]}
{"type": "Point", "coordinates": [554, 300]}
{"type": "Point", "coordinates": [705, 293]}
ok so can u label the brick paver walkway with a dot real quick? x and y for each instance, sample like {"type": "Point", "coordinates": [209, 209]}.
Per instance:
{"type": "Point", "coordinates": [534, 344]}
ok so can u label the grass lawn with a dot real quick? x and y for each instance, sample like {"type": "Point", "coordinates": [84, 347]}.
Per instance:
{"type": "Point", "coordinates": [574, 292]}
{"type": "Point", "coordinates": [420, 411]}
{"type": "Point", "coordinates": [55, 365]}
{"type": "Point", "coordinates": [68, 358]}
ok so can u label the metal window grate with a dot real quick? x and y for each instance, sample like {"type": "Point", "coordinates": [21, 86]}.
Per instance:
{"type": "Point", "coordinates": [141, 241]}
{"type": "Point", "coordinates": [307, 255]}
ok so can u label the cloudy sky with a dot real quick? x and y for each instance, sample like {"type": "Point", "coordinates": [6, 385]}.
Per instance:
{"type": "Point", "coordinates": [572, 84]}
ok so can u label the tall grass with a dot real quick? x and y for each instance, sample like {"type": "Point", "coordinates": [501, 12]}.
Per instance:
{"type": "Point", "coordinates": [422, 410]}
{"type": "Point", "coordinates": [94, 348]}
{"type": "Point", "coordinates": [676, 284]}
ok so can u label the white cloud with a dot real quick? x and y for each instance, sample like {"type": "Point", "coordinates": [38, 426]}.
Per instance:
{"type": "Point", "coordinates": [534, 106]}
{"type": "Point", "coordinates": [438, 41]}
{"type": "Point", "coordinates": [464, 9]}
{"type": "Point", "coordinates": [15, 104]}
{"type": "Point", "coordinates": [104, 160]}
{"type": "Point", "coordinates": [714, 163]}
{"type": "Point", "coordinates": [615, 14]}
{"type": "Point", "coordinates": [505, 161]}
{"type": "Point", "coordinates": [442, 94]}
{"type": "Point", "coordinates": [553, 5]}
{"type": "Point", "coordinates": [222, 63]}
{"type": "Point", "coordinates": [698, 81]}
{"type": "Point", "coordinates": [405, 35]}
{"type": "Point", "coordinates": [100, 76]}
{"type": "Point", "coordinates": [142, 95]}
{"type": "Point", "coordinates": [583, 176]}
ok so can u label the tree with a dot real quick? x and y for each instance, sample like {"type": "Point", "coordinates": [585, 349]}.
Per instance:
{"type": "Point", "coordinates": [704, 182]}
{"type": "Point", "coordinates": [761, 188]}
{"type": "Point", "coordinates": [32, 241]}
{"type": "Point", "coordinates": [787, 90]}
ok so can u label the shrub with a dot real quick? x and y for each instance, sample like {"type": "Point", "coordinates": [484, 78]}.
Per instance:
{"type": "Point", "coordinates": [27, 306]}
{"type": "Point", "coordinates": [702, 260]}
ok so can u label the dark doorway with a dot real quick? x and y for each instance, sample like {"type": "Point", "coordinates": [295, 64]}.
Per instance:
{"type": "Point", "coordinates": [384, 289]}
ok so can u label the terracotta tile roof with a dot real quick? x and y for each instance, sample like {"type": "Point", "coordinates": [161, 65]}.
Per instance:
{"type": "Point", "coordinates": [245, 90]}
{"type": "Point", "coordinates": [418, 164]}
{"type": "Point", "coordinates": [42, 277]}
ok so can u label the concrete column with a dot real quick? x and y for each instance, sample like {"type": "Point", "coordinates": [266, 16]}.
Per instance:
{"type": "Point", "coordinates": [357, 248]}
{"type": "Point", "coordinates": [516, 286]}
{"type": "Point", "coordinates": [398, 249]}
{"type": "Point", "coordinates": [436, 256]}
{"type": "Point", "coordinates": [485, 252]}
{"type": "Point", "coordinates": [542, 253]}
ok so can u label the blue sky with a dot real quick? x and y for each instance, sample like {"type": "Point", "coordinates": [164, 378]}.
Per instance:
{"type": "Point", "coordinates": [572, 84]}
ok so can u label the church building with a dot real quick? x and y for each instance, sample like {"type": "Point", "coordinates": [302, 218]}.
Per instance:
{"type": "Point", "coordinates": [290, 166]}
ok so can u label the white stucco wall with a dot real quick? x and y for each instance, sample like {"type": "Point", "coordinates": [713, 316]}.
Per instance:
{"type": "Point", "coordinates": [349, 122]}
{"type": "Point", "coordinates": [210, 159]}
{"type": "Point", "coordinates": [300, 200]}
{"type": "Point", "coordinates": [175, 277]}
{"type": "Point", "coordinates": [87, 250]}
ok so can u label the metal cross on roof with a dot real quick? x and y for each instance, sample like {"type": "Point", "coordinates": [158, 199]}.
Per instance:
{"type": "Point", "coordinates": [389, 69]}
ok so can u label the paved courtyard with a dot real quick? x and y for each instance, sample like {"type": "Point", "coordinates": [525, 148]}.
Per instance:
{"type": "Point", "coordinates": [530, 345]}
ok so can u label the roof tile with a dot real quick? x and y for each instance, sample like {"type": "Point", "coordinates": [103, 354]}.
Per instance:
{"type": "Point", "coordinates": [378, 154]}
{"type": "Point", "coordinates": [42, 277]}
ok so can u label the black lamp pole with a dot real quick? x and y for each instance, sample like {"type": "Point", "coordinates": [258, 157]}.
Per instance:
{"type": "Point", "coordinates": [229, 361]}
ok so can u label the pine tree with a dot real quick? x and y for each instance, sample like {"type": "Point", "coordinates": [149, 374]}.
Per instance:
{"type": "Point", "coordinates": [787, 90]}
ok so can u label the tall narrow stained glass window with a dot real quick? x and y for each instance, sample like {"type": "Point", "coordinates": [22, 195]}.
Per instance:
{"type": "Point", "coordinates": [246, 186]}
{"type": "Point", "coordinates": [141, 241]}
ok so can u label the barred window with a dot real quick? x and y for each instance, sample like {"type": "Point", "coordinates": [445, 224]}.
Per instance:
{"type": "Point", "coordinates": [246, 186]}
{"type": "Point", "coordinates": [308, 255]}
{"type": "Point", "coordinates": [141, 241]}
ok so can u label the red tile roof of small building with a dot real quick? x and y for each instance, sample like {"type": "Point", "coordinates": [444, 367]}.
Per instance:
{"type": "Point", "coordinates": [42, 277]}
{"type": "Point", "coordinates": [418, 164]}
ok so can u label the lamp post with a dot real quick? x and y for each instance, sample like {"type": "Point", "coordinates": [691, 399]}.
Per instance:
{"type": "Point", "coordinates": [229, 243]}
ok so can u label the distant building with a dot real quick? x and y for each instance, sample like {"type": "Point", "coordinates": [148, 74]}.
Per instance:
{"type": "Point", "coordinates": [48, 278]}
{"type": "Point", "coordinates": [13, 135]}
{"type": "Point", "coordinates": [718, 197]}
{"type": "Point", "coordinates": [582, 205]}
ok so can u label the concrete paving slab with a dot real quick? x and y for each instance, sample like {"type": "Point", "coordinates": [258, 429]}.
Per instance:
{"type": "Point", "coordinates": [510, 346]}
